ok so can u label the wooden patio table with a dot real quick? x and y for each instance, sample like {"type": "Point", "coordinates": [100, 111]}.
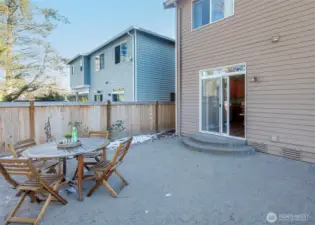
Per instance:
{"type": "Point", "coordinates": [51, 151]}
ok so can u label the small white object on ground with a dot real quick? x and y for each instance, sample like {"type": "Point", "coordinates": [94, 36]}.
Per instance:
{"type": "Point", "coordinates": [136, 140]}
{"type": "Point", "coordinates": [68, 190]}
{"type": "Point", "coordinates": [168, 194]}
{"type": "Point", "coordinates": [146, 211]}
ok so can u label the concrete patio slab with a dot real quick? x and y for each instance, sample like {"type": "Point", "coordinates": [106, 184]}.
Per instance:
{"type": "Point", "coordinates": [170, 184]}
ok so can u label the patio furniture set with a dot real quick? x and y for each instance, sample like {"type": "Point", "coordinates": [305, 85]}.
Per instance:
{"type": "Point", "coordinates": [45, 167]}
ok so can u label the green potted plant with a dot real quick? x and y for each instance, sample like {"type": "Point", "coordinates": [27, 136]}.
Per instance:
{"type": "Point", "coordinates": [68, 137]}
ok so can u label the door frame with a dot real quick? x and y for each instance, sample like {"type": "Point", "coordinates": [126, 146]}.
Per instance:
{"type": "Point", "coordinates": [221, 75]}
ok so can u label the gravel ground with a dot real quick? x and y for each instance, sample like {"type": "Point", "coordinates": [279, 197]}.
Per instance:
{"type": "Point", "coordinates": [170, 184]}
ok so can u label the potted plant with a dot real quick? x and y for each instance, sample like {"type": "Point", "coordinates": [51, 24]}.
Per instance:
{"type": "Point", "coordinates": [68, 137]}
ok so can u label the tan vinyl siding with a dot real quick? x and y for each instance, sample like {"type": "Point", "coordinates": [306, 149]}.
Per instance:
{"type": "Point", "coordinates": [281, 104]}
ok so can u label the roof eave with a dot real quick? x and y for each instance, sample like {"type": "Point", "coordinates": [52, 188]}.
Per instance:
{"type": "Point", "coordinates": [170, 4]}
{"type": "Point", "coordinates": [74, 58]}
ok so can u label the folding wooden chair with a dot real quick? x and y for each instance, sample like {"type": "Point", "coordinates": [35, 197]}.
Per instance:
{"type": "Point", "coordinates": [95, 156]}
{"type": "Point", "coordinates": [104, 169]}
{"type": "Point", "coordinates": [38, 184]}
{"type": "Point", "coordinates": [18, 149]}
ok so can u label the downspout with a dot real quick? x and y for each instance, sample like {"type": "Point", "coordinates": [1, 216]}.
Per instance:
{"type": "Point", "coordinates": [133, 64]}
{"type": "Point", "coordinates": [177, 72]}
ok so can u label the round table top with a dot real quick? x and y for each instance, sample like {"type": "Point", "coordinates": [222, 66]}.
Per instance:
{"type": "Point", "coordinates": [50, 150]}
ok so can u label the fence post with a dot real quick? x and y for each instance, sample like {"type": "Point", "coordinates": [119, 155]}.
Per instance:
{"type": "Point", "coordinates": [108, 115]}
{"type": "Point", "coordinates": [32, 118]}
{"type": "Point", "coordinates": [157, 116]}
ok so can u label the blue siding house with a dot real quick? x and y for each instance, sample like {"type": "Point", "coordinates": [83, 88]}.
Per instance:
{"type": "Point", "coordinates": [135, 65]}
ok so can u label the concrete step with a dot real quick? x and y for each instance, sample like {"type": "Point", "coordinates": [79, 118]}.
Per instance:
{"type": "Point", "coordinates": [218, 140]}
{"type": "Point", "coordinates": [210, 148]}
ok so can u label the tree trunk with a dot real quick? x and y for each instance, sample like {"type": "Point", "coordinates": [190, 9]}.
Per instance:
{"type": "Point", "coordinates": [11, 8]}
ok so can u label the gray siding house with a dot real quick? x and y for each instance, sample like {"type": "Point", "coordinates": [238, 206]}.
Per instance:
{"type": "Point", "coordinates": [135, 65]}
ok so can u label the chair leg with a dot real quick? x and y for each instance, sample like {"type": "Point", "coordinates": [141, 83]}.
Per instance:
{"type": "Point", "coordinates": [18, 194]}
{"type": "Point", "coordinates": [16, 208]}
{"type": "Point", "coordinates": [42, 212]}
{"type": "Point", "coordinates": [48, 200]}
{"type": "Point", "coordinates": [33, 197]}
{"type": "Point", "coordinates": [75, 174]}
{"type": "Point", "coordinates": [54, 193]}
{"type": "Point", "coordinates": [121, 177]}
{"type": "Point", "coordinates": [95, 186]}
{"type": "Point", "coordinates": [109, 188]}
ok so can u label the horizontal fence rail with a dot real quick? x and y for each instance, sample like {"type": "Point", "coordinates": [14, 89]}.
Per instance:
{"type": "Point", "coordinates": [40, 120]}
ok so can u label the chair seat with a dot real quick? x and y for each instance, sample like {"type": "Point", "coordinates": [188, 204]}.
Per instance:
{"type": "Point", "coordinates": [92, 155]}
{"type": "Point", "coordinates": [101, 165]}
{"type": "Point", "coordinates": [34, 185]}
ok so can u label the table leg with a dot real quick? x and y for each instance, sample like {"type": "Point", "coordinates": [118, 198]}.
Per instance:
{"type": "Point", "coordinates": [60, 173]}
{"type": "Point", "coordinates": [80, 177]}
{"type": "Point", "coordinates": [104, 157]}
{"type": "Point", "coordinates": [64, 167]}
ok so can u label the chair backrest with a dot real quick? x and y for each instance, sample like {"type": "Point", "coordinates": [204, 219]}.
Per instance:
{"type": "Point", "coordinates": [10, 167]}
{"type": "Point", "coordinates": [21, 146]}
{"type": "Point", "coordinates": [121, 151]}
{"type": "Point", "coordinates": [103, 134]}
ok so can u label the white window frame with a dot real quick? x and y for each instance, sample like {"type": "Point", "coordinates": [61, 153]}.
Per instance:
{"type": "Point", "coordinates": [72, 69]}
{"type": "Point", "coordinates": [81, 65]}
{"type": "Point", "coordinates": [97, 65]}
{"type": "Point", "coordinates": [103, 62]}
{"type": "Point", "coordinates": [210, 14]}
{"type": "Point", "coordinates": [122, 92]}
{"type": "Point", "coordinates": [125, 58]}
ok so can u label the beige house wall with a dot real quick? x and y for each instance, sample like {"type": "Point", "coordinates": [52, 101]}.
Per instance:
{"type": "Point", "coordinates": [282, 104]}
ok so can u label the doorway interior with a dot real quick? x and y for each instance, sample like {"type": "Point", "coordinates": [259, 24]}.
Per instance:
{"type": "Point", "coordinates": [222, 101]}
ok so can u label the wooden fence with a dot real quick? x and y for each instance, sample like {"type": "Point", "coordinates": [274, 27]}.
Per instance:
{"type": "Point", "coordinates": [20, 121]}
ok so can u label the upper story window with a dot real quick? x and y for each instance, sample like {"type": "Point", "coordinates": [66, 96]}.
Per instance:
{"type": "Point", "coordinates": [81, 64]}
{"type": "Point", "coordinates": [97, 63]}
{"type": "Point", "coordinates": [209, 11]}
{"type": "Point", "coordinates": [72, 69]}
{"type": "Point", "coordinates": [102, 61]}
{"type": "Point", "coordinates": [121, 53]}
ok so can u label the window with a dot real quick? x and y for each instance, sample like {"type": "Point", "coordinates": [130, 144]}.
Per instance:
{"type": "Point", "coordinates": [172, 97]}
{"type": "Point", "coordinates": [98, 98]}
{"type": "Point", "coordinates": [102, 61]}
{"type": "Point", "coordinates": [97, 63]}
{"type": "Point", "coordinates": [209, 11]}
{"type": "Point", "coordinates": [121, 53]}
{"type": "Point", "coordinates": [72, 69]}
{"type": "Point", "coordinates": [118, 97]}
{"type": "Point", "coordinates": [201, 12]}
{"type": "Point", "coordinates": [117, 54]}
{"type": "Point", "coordinates": [81, 65]}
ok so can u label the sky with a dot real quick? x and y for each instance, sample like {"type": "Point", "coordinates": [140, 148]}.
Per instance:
{"type": "Point", "coordinates": [92, 22]}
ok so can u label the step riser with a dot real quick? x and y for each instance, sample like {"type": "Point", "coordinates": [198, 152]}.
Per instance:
{"type": "Point", "coordinates": [219, 141]}
{"type": "Point", "coordinates": [215, 148]}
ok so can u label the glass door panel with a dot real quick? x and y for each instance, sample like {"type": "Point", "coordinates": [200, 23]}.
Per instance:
{"type": "Point", "coordinates": [210, 105]}
{"type": "Point", "coordinates": [226, 105]}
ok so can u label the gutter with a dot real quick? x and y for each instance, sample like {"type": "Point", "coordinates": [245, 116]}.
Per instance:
{"type": "Point", "coordinates": [133, 64]}
{"type": "Point", "coordinates": [178, 70]}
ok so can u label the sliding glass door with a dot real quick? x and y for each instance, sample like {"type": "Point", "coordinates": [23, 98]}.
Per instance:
{"type": "Point", "coordinates": [222, 100]}
{"type": "Point", "coordinates": [211, 104]}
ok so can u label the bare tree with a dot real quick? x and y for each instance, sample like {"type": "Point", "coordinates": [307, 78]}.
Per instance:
{"type": "Point", "coordinates": [28, 58]}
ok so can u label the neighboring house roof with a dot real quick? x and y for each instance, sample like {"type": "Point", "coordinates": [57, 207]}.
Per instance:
{"type": "Point", "coordinates": [170, 4]}
{"type": "Point", "coordinates": [74, 58]}
{"type": "Point", "coordinates": [119, 36]}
